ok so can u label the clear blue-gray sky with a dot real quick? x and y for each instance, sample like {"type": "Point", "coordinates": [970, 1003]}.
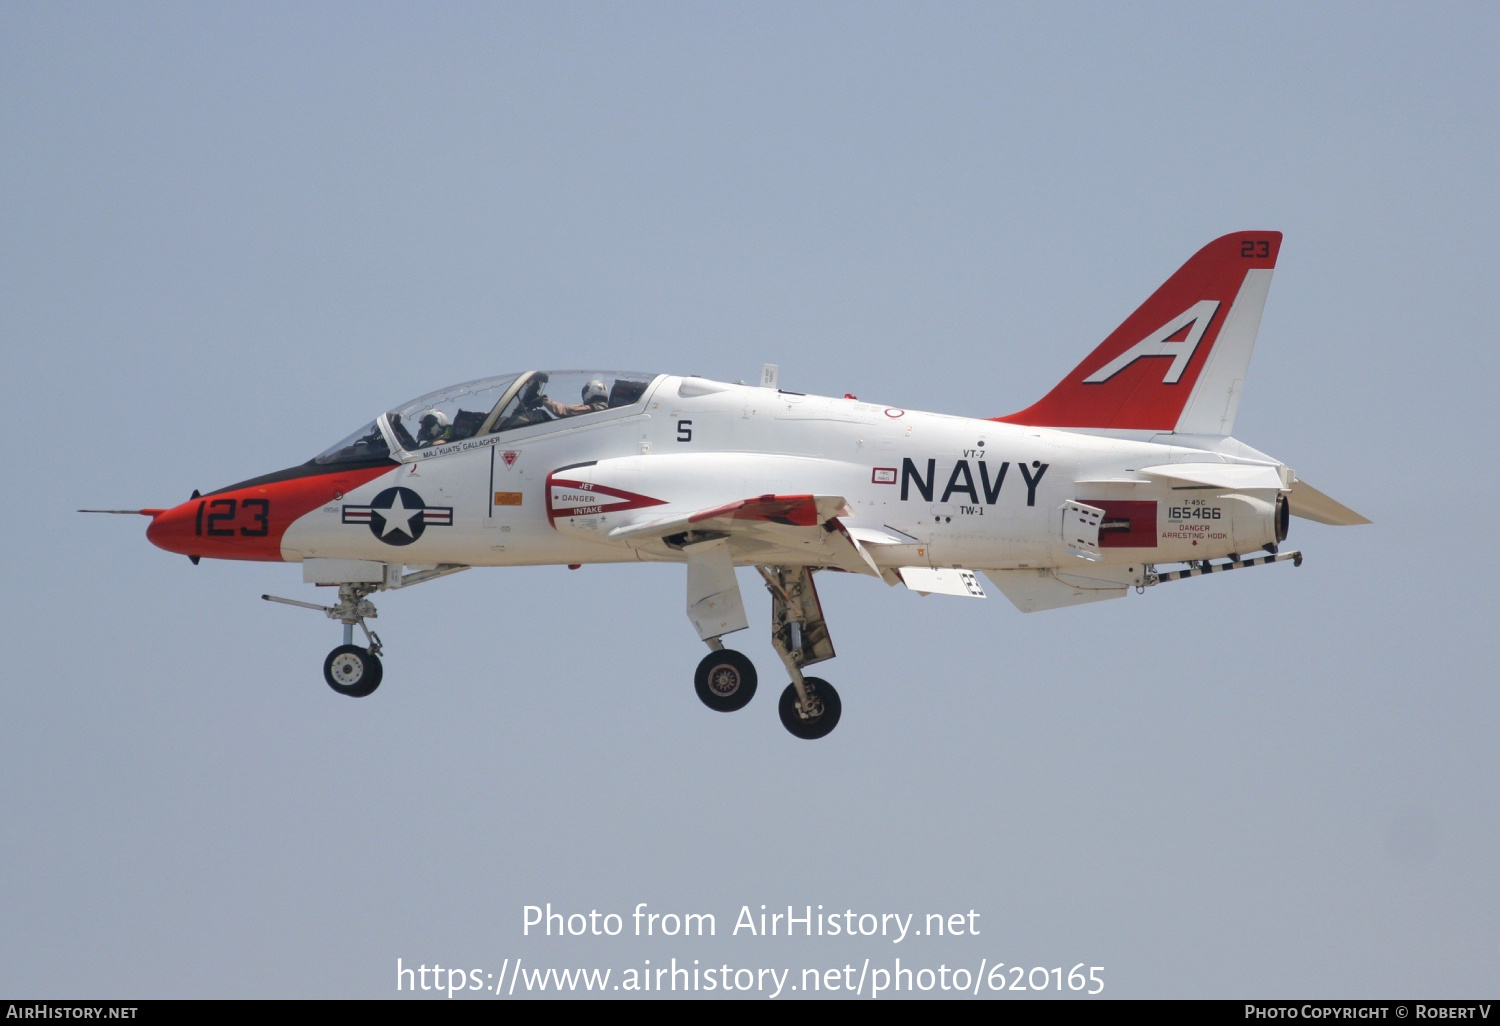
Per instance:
{"type": "Point", "coordinates": [231, 233]}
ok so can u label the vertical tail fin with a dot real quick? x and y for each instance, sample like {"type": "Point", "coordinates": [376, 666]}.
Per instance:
{"type": "Point", "coordinates": [1204, 318]}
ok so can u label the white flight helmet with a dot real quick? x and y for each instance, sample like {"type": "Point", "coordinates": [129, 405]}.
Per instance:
{"type": "Point", "coordinates": [595, 390]}
{"type": "Point", "coordinates": [432, 424]}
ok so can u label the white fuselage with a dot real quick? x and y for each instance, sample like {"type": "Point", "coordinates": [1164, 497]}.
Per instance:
{"type": "Point", "coordinates": [934, 490]}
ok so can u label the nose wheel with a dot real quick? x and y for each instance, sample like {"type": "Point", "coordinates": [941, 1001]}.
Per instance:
{"type": "Point", "coordinates": [349, 669]}
{"type": "Point", "coordinates": [353, 671]}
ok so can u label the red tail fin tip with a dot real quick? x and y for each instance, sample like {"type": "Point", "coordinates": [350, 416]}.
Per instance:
{"type": "Point", "coordinates": [1205, 317]}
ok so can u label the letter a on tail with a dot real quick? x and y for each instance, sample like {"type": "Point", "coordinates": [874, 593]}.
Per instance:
{"type": "Point", "coordinates": [1178, 363]}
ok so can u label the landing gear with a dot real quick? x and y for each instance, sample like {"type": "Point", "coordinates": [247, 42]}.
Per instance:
{"type": "Point", "coordinates": [725, 680]}
{"type": "Point", "coordinates": [353, 671]}
{"type": "Point", "coordinates": [809, 706]}
{"type": "Point", "coordinates": [813, 716]}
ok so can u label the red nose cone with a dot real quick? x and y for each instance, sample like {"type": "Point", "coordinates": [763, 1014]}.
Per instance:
{"type": "Point", "coordinates": [173, 530]}
{"type": "Point", "coordinates": [248, 520]}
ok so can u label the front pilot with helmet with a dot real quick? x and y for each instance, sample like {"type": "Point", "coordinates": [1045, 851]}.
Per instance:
{"type": "Point", "coordinates": [434, 429]}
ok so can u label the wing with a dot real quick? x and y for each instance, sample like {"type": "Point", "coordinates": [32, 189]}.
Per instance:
{"type": "Point", "coordinates": [767, 529]}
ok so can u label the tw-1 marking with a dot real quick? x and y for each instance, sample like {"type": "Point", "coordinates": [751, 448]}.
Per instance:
{"type": "Point", "coordinates": [1126, 466]}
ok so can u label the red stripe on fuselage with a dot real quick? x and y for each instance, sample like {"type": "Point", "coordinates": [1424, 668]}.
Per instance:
{"type": "Point", "coordinates": [249, 522]}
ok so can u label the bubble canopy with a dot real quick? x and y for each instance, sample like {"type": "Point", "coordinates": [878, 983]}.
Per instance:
{"type": "Point", "coordinates": [487, 406]}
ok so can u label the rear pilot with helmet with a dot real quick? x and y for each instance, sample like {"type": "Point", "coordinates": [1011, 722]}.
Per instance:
{"type": "Point", "coordinates": [595, 398]}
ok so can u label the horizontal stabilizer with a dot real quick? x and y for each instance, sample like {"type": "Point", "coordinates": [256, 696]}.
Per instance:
{"type": "Point", "coordinates": [925, 580]}
{"type": "Point", "coordinates": [1310, 504]}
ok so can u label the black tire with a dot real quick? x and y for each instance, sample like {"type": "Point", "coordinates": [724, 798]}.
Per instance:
{"type": "Point", "coordinates": [353, 671]}
{"type": "Point", "coordinates": [819, 726]}
{"type": "Point", "coordinates": [725, 680]}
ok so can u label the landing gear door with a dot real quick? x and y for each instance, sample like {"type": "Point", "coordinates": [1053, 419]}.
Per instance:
{"type": "Point", "coordinates": [797, 615]}
{"type": "Point", "coordinates": [713, 599]}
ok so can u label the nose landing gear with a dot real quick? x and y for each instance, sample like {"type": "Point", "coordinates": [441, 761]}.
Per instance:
{"type": "Point", "coordinates": [351, 669]}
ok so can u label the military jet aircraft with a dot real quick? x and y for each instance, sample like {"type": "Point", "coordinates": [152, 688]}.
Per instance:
{"type": "Point", "coordinates": [1125, 475]}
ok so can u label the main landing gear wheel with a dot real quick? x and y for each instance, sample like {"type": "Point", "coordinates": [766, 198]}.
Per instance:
{"type": "Point", "coordinates": [725, 680]}
{"type": "Point", "coordinates": [353, 671]}
{"type": "Point", "coordinates": [822, 718]}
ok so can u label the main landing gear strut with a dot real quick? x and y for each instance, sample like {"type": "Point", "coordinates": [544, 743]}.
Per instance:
{"type": "Point", "coordinates": [351, 669]}
{"type": "Point", "coordinates": [725, 680]}
{"type": "Point", "coordinates": [809, 706]}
